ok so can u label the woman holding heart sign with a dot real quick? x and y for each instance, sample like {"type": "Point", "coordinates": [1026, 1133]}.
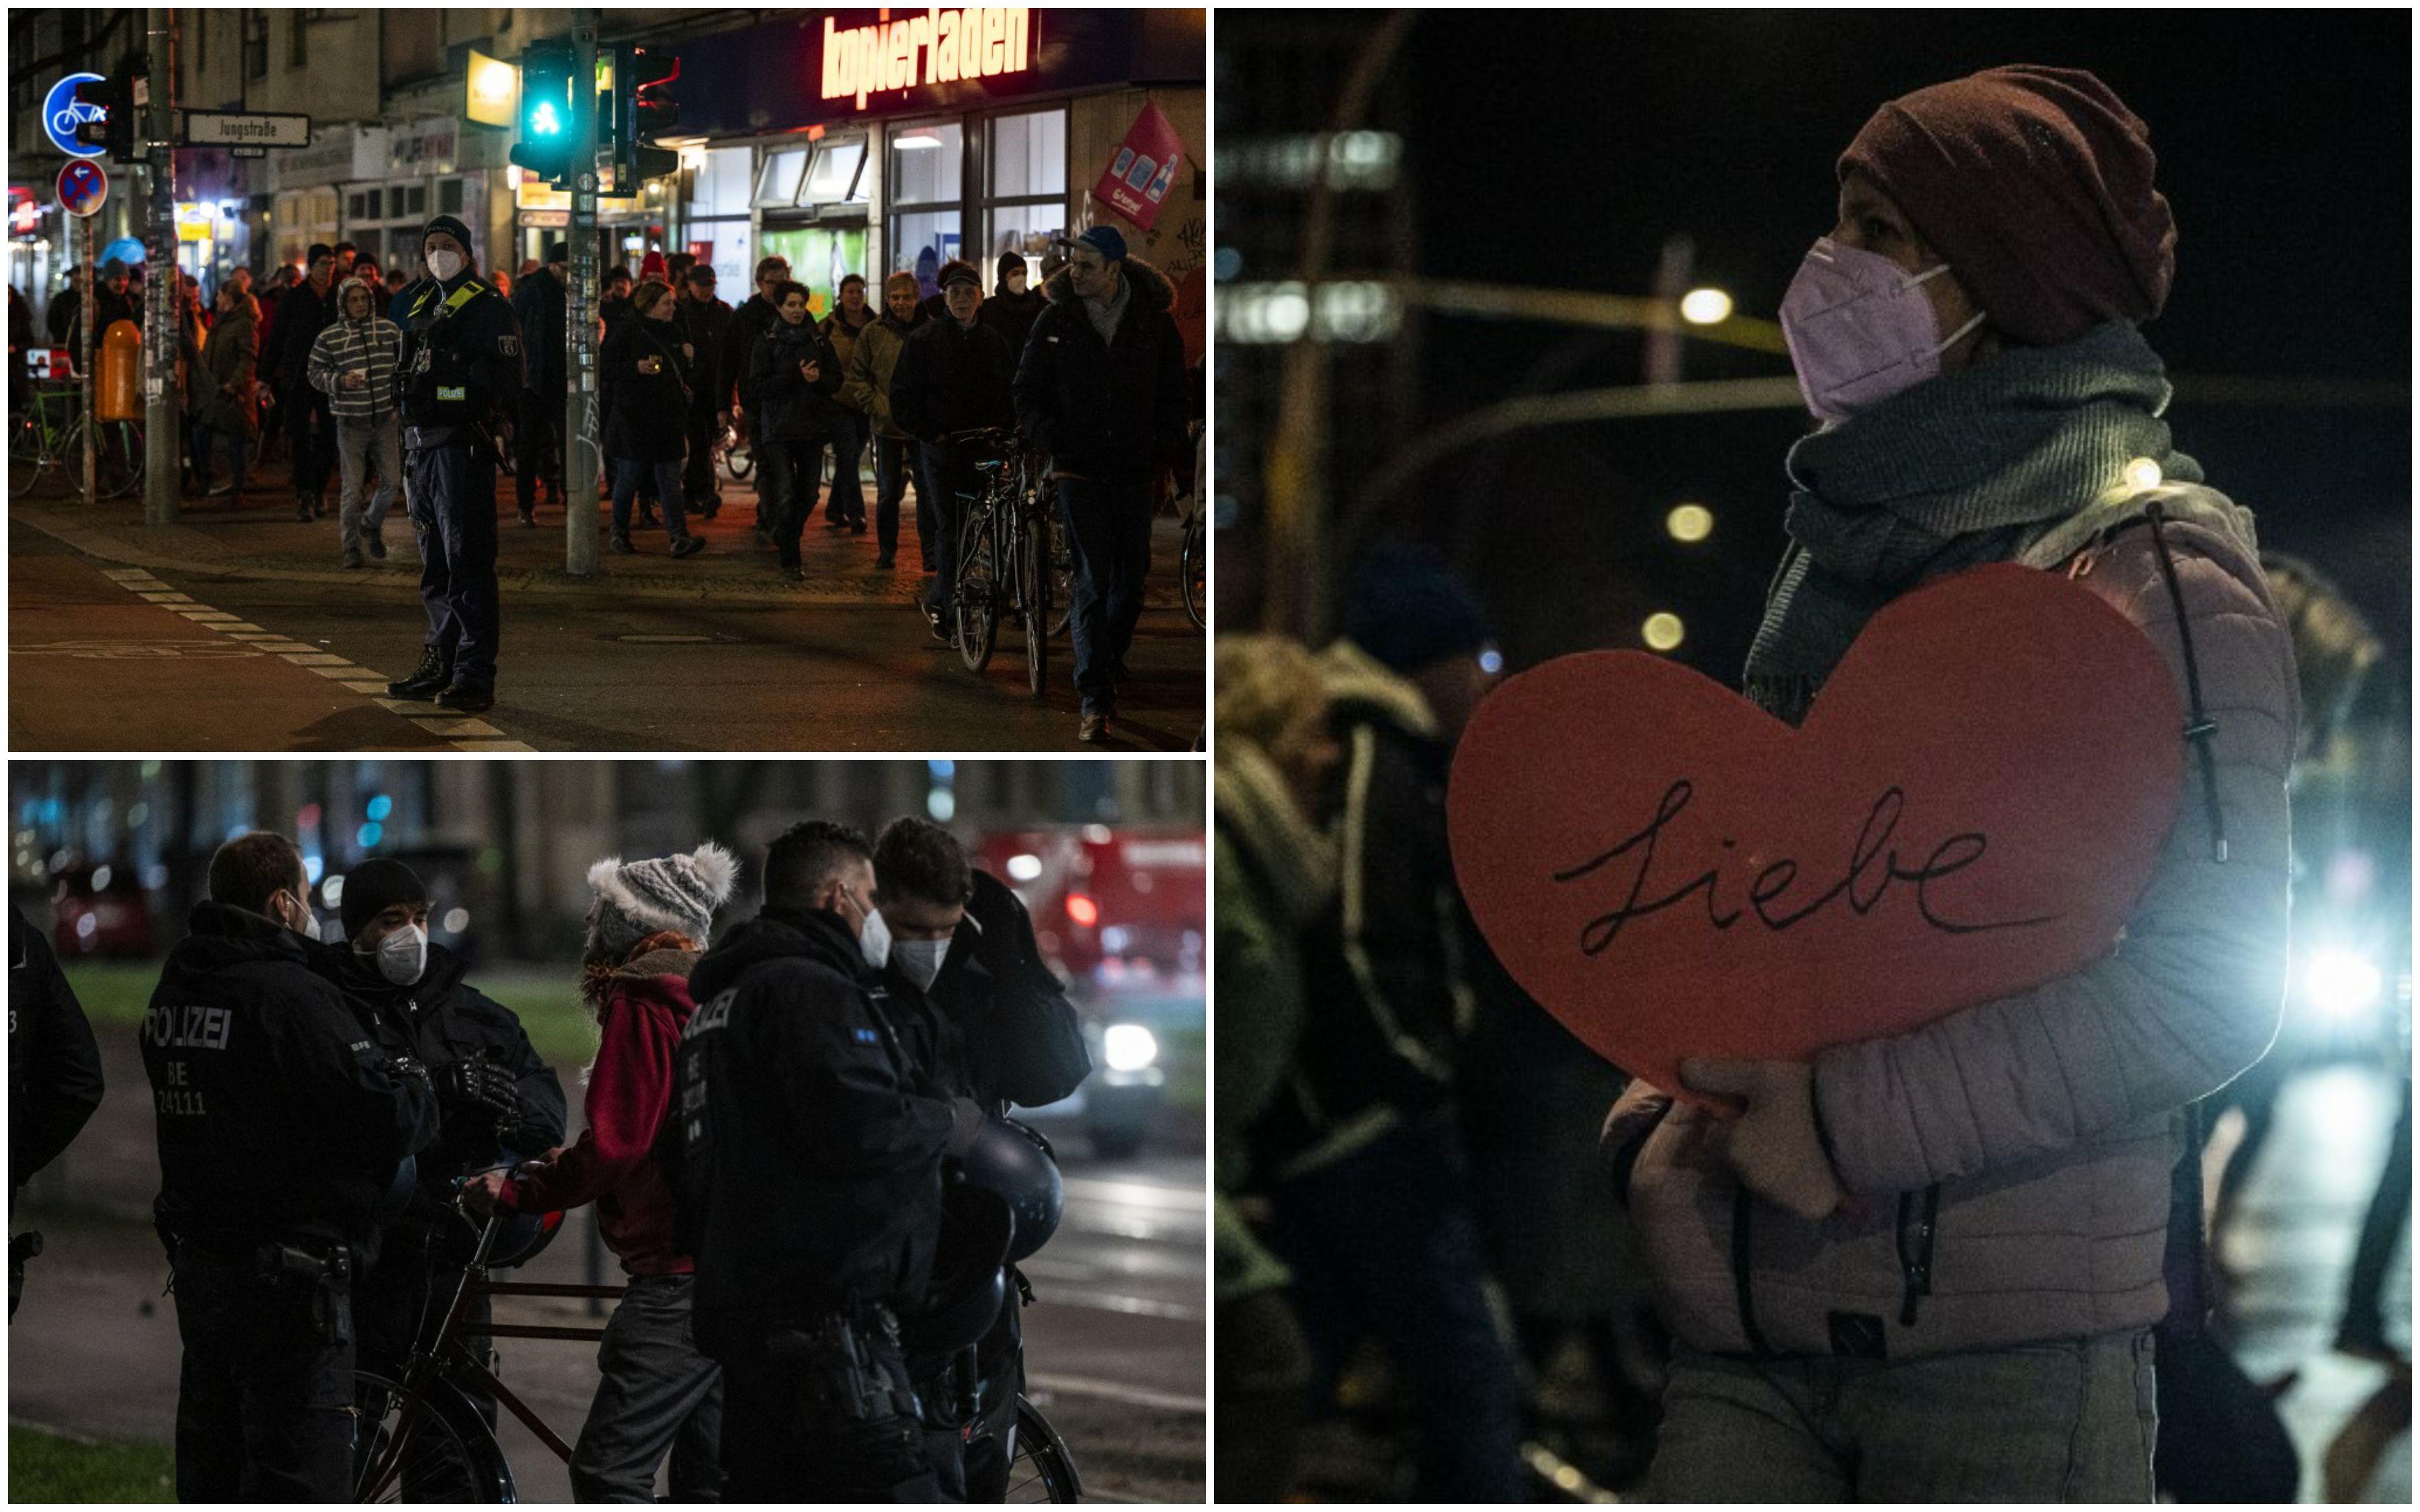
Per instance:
{"type": "Point", "coordinates": [1926, 1265]}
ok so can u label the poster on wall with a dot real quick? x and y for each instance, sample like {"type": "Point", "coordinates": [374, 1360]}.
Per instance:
{"type": "Point", "coordinates": [1137, 178]}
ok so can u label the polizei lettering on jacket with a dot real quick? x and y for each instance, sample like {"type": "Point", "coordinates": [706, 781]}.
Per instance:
{"type": "Point", "coordinates": [1775, 895]}
{"type": "Point", "coordinates": [938, 47]}
{"type": "Point", "coordinates": [174, 1028]}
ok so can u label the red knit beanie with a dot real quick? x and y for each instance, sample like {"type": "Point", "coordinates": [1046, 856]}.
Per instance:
{"type": "Point", "coordinates": [2035, 184]}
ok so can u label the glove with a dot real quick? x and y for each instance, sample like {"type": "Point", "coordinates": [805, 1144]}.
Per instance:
{"type": "Point", "coordinates": [965, 1124]}
{"type": "Point", "coordinates": [1772, 1145]}
{"type": "Point", "coordinates": [480, 1083]}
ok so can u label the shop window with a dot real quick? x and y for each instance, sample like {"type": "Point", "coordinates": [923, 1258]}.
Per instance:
{"type": "Point", "coordinates": [922, 241]}
{"type": "Point", "coordinates": [1028, 155]}
{"type": "Point", "coordinates": [777, 186]}
{"type": "Point", "coordinates": [836, 175]}
{"type": "Point", "coordinates": [449, 196]}
{"type": "Point", "coordinates": [720, 186]}
{"type": "Point", "coordinates": [1028, 229]}
{"type": "Point", "coordinates": [926, 164]}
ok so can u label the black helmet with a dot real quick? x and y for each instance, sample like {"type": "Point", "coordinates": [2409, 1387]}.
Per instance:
{"type": "Point", "coordinates": [969, 1280]}
{"type": "Point", "coordinates": [1012, 1160]}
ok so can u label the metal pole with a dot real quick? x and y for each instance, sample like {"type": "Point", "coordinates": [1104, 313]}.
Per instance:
{"type": "Point", "coordinates": [83, 367]}
{"type": "Point", "coordinates": [160, 294]}
{"type": "Point", "coordinates": [582, 450]}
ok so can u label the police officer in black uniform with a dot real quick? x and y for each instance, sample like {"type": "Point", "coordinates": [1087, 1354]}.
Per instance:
{"type": "Point", "coordinates": [983, 1013]}
{"type": "Point", "coordinates": [460, 372]}
{"type": "Point", "coordinates": [53, 1073]}
{"type": "Point", "coordinates": [810, 1186]}
{"type": "Point", "coordinates": [281, 1124]}
{"type": "Point", "coordinates": [498, 1103]}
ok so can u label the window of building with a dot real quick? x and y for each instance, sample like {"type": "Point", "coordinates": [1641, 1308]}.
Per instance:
{"type": "Point", "coordinates": [720, 186]}
{"type": "Point", "coordinates": [375, 212]}
{"type": "Point", "coordinates": [354, 209]}
{"type": "Point", "coordinates": [420, 199]}
{"type": "Point", "coordinates": [836, 175]}
{"type": "Point", "coordinates": [1025, 179]}
{"type": "Point", "coordinates": [301, 23]}
{"type": "Point", "coordinates": [449, 196]}
{"type": "Point", "coordinates": [255, 44]}
{"type": "Point", "coordinates": [777, 184]}
{"type": "Point", "coordinates": [927, 163]}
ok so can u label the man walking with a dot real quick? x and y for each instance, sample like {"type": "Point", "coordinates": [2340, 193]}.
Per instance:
{"type": "Point", "coordinates": [353, 363]}
{"type": "Point", "coordinates": [1102, 389]}
{"type": "Point", "coordinates": [847, 508]}
{"type": "Point", "coordinates": [706, 321]}
{"type": "Point", "coordinates": [871, 365]}
{"type": "Point", "coordinates": [307, 309]}
{"type": "Point", "coordinates": [537, 425]}
{"type": "Point", "coordinates": [793, 376]}
{"type": "Point", "coordinates": [461, 367]}
{"type": "Point", "coordinates": [733, 400]}
{"type": "Point", "coordinates": [953, 375]}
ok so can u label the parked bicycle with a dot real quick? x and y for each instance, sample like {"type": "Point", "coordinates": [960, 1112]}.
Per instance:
{"type": "Point", "coordinates": [48, 437]}
{"type": "Point", "coordinates": [1004, 556]}
{"type": "Point", "coordinates": [424, 1438]}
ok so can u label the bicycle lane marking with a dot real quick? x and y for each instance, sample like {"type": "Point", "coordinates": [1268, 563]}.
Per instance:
{"type": "Point", "coordinates": [462, 733]}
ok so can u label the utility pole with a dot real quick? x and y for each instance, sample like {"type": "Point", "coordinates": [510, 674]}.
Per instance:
{"type": "Point", "coordinates": [91, 381]}
{"type": "Point", "coordinates": [160, 290]}
{"type": "Point", "coordinates": [581, 447]}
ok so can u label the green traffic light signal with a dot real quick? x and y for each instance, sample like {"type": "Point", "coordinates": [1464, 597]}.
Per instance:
{"type": "Point", "coordinates": [543, 121]}
{"type": "Point", "coordinates": [545, 147]}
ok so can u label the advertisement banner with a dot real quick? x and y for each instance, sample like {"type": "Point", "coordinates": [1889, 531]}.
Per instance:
{"type": "Point", "coordinates": [1135, 182]}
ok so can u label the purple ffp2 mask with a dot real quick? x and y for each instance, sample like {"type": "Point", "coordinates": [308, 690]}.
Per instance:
{"type": "Point", "coordinates": [1860, 328]}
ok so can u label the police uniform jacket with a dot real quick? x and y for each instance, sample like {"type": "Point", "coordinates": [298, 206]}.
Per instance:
{"type": "Point", "coordinates": [54, 1066]}
{"type": "Point", "coordinates": [280, 1116]}
{"type": "Point", "coordinates": [461, 362]}
{"type": "Point", "coordinates": [441, 1019]}
{"type": "Point", "coordinates": [811, 1163]}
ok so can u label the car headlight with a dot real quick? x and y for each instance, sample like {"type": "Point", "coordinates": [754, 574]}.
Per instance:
{"type": "Point", "coordinates": [2342, 986]}
{"type": "Point", "coordinates": [1129, 1047]}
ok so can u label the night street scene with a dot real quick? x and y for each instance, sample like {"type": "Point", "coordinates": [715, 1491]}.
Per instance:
{"type": "Point", "coordinates": [491, 401]}
{"type": "Point", "coordinates": [426, 1072]}
{"type": "Point", "coordinates": [1782, 575]}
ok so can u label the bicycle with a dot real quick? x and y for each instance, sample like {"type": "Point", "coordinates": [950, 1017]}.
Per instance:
{"type": "Point", "coordinates": [733, 454]}
{"type": "Point", "coordinates": [422, 1437]}
{"type": "Point", "coordinates": [1004, 547]}
{"type": "Point", "coordinates": [49, 435]}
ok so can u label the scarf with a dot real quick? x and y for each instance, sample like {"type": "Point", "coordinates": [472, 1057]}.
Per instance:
{"type": "Point", "coordinates": [1105, 314]}
{"type": "Point", "coordinates": [1981, 465]}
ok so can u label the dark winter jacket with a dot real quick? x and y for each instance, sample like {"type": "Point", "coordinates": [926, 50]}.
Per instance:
{"type": "Point", "coordinates": [303, 312]}
{"type": "Point", "coordinates": [787, 407]}
{"type": "Point", "coordinates": [1114, 411]}
{"type": "Point", "coordinates": [843, 335]}
{"type": "Point", "coordinates": [953, 378]}
{"type": "Point", "coordinates": [54, 1066]}
{"type": "Point", "coordinates": [871, 368]}
{"type": "Point", "coordinates": [750, 321]}
{"type": "Point", "coordinates": [708, 324]}
{"type": "Point", "coordinates": [1011, 1036]}
{"type": "Point", "coordinates": [539, 303]}
{"type": "Point", "coordinates": [279, 1113]}
{"type": "Point", "coordinates": [1012, 317]}
{"type": "Point", "coordinates": [648, 413]}
{"type": "Point", "coordinates": [622, 1159]}
{"type": "Point", "coordinates": [811, 1163]}
{"type": "Point", "coordinates": [223, 397]}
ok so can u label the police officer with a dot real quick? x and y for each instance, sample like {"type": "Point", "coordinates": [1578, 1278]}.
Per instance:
{"type": "Point", "coordinates": [281, 1125]}
{"type": "Point", "coordinates": [811, 1185]}
{"type": "Point", "coordinates": [497, 1101]}
{"type": "Point", "coordinates": [460, 371]}
{"type": "Point", "coordinates": [53, 1073]}
{"type": "Point", "coordinates": [989, 1023]}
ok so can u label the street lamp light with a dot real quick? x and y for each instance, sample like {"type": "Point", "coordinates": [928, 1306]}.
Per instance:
{"type": "Point", "coordinates": [1705, 307]}
{"type": "Point", "coordinates": [1662, 631]}
{"type": "Point", "coordinates": [1689, 523]}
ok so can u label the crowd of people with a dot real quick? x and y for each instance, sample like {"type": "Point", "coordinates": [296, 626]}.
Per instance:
{"type": "Point", "coordinates": [795, 1140]}
{"type": "Point", "coordinates": [1969, 1262]}
{"type": "Point", "coordinates": [331, 363]}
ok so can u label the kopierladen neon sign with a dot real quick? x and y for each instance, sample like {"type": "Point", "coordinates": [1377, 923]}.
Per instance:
{"type": "Point", "coordinates": [938, 47]}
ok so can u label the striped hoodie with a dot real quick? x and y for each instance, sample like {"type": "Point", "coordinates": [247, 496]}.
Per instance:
{"type": "Point", "coordinates": [370, 346]}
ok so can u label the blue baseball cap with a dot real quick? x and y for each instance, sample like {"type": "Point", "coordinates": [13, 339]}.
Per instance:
{"type": "Point", "coordinates": [1103, 239]}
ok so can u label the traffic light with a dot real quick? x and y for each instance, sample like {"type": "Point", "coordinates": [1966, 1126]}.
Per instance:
{"type": "Point", "coordinates": [115, 131]}
{"type": "Point", "coordinates": [642, 111]}
{"type": "Point", "coordinates": [546, 147]}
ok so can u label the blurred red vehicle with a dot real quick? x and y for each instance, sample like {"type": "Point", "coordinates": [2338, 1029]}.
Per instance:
{"type": "Point", "coordinates": [101, 910]}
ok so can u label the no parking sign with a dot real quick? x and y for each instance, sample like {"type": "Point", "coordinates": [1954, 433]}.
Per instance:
{"type": "Point", "coordinates": [82, 186]}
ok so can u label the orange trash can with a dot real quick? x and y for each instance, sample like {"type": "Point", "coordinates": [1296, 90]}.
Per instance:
{"type": "Point", "coordinates": [121, 371]}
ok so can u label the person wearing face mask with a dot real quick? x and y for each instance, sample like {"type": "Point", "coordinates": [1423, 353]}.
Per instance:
{"type": "Point", "coordinates": [953, 377]}
{"type": "Point", "coordinates": [497, 1100]}
{"type": "Point", "coordinates": [846, 509]}
{"type": "Point", "coordinates": [810, 1184]}
{"type": "Point", "coordinates": [655, 1392]}
{"type": "Point", "coordinates": [792, 377]}
{"type": "Point", "coordinates": [988, 1022]}
{"type": "Point", "coordinates": [867, 390]}
{"type": "Point", "coordinates": [647, 365]}
{"type": "Point", "coordinates": [1014, 304]}
{"type": "Point", "coordinates": [460, 369]}
{"type": "Point", "coordinates": [282, 1123]}
{"type": "Point", "coordinates": [1928, 1267]}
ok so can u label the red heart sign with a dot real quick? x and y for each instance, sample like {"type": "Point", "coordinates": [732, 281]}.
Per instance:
{"type": "Point", "coordinates": [1972, 808]}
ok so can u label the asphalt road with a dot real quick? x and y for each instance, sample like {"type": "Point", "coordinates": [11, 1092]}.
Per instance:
{"type": "Point", "coordinates": [1115, 1341]}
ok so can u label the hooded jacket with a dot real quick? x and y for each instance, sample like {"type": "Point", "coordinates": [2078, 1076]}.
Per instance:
{"type": "Point", "coordinates": [2014, 1157]}
{"type": "Point", "coordinates": [280, 1114]}
{"type": "Point", "coordinates": [1115, 410]}
{"type": "Point", "coordinates": [872, 364]}
{"type": "Point", "coordinates": [787, 407]}
{"type": "Point", "coordinates": [372, 346]}
{"type": "Point", "coordinates": [621, 1160]}
{"type": "Point", "coordinates": [811, 1163]}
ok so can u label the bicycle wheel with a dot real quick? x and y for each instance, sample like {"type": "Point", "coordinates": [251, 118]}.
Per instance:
{"type": "Point", "coordinates": [1034, 602]}
{"type": "Point", "coordinates": [1195, 565]}
{"type": "Point", "coordinates": [450, 1456]}
{"type": "Point", "coordinates": [738, 460]}
{"type": "Point", "coordinates": [27, 454]}
{"type": "Point", "coordinates": [977, 600]}
{"type": "Point", "coordinates": [1041, 1470]}
{"type": "Point", "coordinates": [119, 457]}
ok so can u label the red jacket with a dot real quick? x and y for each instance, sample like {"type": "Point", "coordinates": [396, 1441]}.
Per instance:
{"type": "Point", "coordinates": [617, 1161]}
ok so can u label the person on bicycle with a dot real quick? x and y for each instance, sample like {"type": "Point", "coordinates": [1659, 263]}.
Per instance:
{"type": "Point", "coordinates": [811, 1181]}
{"type": "Point", "coordinates": [282, 1123]}
{"type": "Point", "coordinates": [988, 1022]}
{"type": "Point", "coordinates": [706, 323]}
{"type": "Point", "coordinates": [497, 1099]}
{"type": "Point", "coordinates": [656, 1394]}
{"type": "Point", "coordinates": [793, 377]}
{"type": "Point", "coordinates": [1102, 388]}
{"type": "Point", "coordinates": [953, 377]}
{"type": "Point", "coordinates": [867, 388]}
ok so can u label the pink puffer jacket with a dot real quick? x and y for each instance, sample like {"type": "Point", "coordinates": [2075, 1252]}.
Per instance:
{"type": "Point", "coordinates": [2013, 1158]}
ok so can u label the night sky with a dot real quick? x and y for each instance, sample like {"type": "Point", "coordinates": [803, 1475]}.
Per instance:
{"type": "Point", "coordinates": [1561, 148]}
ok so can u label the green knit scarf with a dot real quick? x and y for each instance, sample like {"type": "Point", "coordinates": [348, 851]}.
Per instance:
{"type": "Point", "coordinates": [1969, 468]}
